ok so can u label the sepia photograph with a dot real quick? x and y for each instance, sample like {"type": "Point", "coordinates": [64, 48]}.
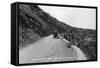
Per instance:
{"type": "Point", "coordinates": [51, 33]}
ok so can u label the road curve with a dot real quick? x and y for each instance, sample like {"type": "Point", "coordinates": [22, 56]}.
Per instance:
{"type": "Point", "coordinates": [48, 49]}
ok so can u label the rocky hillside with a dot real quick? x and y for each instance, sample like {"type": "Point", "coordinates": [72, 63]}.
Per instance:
{"type": "Point", "coordinates": [34, 24]}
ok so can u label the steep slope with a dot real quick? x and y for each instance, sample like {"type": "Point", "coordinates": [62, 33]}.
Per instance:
{"type": "Point", "coordinates": [34, 24]}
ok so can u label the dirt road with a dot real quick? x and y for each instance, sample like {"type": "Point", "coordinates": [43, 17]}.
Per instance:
{"type": "Point", "coordinates": [47, 49]}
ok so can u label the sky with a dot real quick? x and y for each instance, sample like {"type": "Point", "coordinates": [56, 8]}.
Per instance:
{"type": "Point", "coordinates": [76, 17]}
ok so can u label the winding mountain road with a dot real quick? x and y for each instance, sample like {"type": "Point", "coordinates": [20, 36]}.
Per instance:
{"type": "Point", "coordinates": [49, 49]}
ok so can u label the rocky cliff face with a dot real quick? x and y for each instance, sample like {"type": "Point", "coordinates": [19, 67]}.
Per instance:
{"type": "Point", "coordinates": [34, 24]}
